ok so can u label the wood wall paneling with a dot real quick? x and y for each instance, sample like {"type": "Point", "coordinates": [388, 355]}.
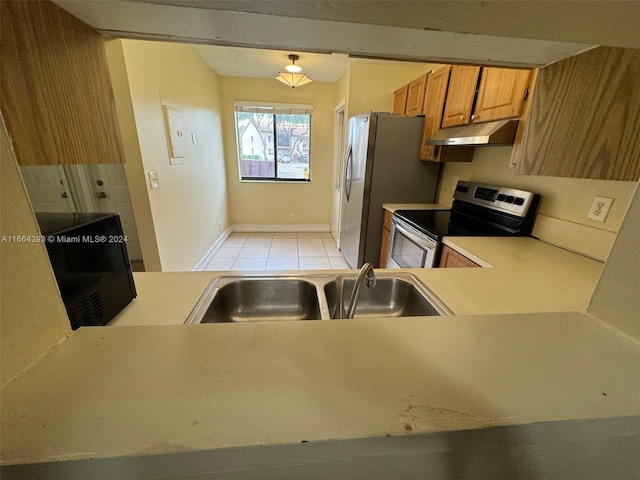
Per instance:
{"type": "Point", "coordinates": [57, 99]}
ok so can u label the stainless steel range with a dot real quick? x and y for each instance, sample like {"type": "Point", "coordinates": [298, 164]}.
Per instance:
{"type": "Point", "coordinates": [477, 210]}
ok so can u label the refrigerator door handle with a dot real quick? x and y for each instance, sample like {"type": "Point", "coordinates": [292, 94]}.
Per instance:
{"type": "Point", "coordinates": [348, 173]}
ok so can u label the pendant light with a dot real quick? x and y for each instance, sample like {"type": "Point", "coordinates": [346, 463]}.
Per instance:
{"type": "Point", "coordinates": [292, 77]}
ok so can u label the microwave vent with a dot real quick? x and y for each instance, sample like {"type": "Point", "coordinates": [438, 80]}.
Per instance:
{"type": "Point", "coordinates": [86, 311]}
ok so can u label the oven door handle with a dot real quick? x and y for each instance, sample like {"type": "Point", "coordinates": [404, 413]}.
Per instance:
{"type": "Point", "coordinates": [413, 235]}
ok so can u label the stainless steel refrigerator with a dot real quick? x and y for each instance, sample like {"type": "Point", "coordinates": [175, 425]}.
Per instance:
{"type": "Point", "coordinates": [381, 166]}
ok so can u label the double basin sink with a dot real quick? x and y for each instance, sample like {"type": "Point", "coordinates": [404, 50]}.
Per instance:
{"type": "Point", "coordinates": [264, 298]}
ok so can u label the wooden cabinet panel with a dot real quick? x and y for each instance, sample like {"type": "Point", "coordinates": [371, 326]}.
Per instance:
{"type": "Point", "coordinates": [462, 88]}
{"type": "Point", "coordinates": [585, 118]}
{"type": "Point", "coordinates": [56, 98]}
{"type": "Point", "coordinates": [434, 98]}
{"type": "Point", "coordinates": [452, 259]}
{"type": "Point", "coordinates": [415, 97]}
{"type": "Point", "coordinates": [501, 94]}
{"type": "Point", "coordinates": [387, 219]}
{"type": "Point", "coordinates": [386, 237]}
{"type": "Point", "coordinates": [400, 100]}
{"type": "Point", "coordinates": [525, 115]}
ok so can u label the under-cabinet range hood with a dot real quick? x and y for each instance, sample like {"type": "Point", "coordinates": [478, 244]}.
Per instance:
{"type": "Point", "coordinates": [500, 132]}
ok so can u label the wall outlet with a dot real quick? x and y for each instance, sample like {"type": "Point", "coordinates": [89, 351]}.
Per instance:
{"type": "Point", "coordinates": [600, 208]}
{"type": "Point", "coordinates": [292, 217]}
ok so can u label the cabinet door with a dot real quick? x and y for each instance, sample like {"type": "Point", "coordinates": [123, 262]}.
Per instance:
{"type": "Point", "coordinates": [56, 90]}
{"type": "Point", "coordinates": [400, 100]}
{"type": "Point", "coordinates": [415, 96]}
{"type": "Point", "coordinates": [434, 97]}
{"type": "Point", "coordinates": [585, 118]}
{"type": "Point", "coordinates": [386, 238]}
{"type": "Point", "coordinates": [452, 259]}
{"type": "Point", "coordinates": [501, 94]}
{"type": "Point", "coordinates": [462, 88]}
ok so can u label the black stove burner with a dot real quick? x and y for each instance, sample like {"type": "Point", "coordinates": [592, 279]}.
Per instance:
{"type": "Point", "coordinates": [458, 222]}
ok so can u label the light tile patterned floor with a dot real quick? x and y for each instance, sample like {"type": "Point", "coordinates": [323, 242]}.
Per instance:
{"type": "Point", "coordinates": [278, 251]}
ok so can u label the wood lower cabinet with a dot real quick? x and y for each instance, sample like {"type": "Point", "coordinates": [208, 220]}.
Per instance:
{"type": "Point", "coordinates": [415, 97]}
{"type": "Point", "coordinates": [400, 100]}
{"type": "Point", "coordinates": [460, 95]}
{"type": "Point", "coordinates": [386, 237]}
{"type": "Point", "coordinates": [452, 259]}
{"type": "Point", "coordinates": [56, 98]}
{"type": "Point", "coordinates": [501, 94]}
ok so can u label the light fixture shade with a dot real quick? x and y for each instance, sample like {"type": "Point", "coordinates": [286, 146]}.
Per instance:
{"type": "Point", "coordinates": [293, 79]}
{"type": "Point", "coordinates": [293, 68]}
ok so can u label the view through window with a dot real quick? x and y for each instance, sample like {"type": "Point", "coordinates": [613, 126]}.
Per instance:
{"type": "Point", "coordinates": [274, 141]}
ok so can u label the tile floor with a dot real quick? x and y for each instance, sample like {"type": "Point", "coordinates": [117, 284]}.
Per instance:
{"type": "Point", "coordinates": [278, 251]}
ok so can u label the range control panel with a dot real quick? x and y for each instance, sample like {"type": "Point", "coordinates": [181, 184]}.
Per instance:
{"type": "Point", "coordinates": [509, 200]}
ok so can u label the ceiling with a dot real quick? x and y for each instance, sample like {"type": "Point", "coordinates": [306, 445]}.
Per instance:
{"type": "Point", "coordinates": [263, 63]}
{"type": "Point", "coordinates": [486, 33]}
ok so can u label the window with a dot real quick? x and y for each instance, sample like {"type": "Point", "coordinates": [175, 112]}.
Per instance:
{"type": "Point", "coordinates": [273, 141]}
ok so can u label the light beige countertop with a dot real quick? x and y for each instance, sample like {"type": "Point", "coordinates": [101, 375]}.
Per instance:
{"type": "Point", "coordinates": [138, 390]}
{"type": "Point", "coordinates": [149, 390]}
{"type": "Point", "coordinates": [392, 207]}
{"type": "Point", "coordinates": [523, 275]}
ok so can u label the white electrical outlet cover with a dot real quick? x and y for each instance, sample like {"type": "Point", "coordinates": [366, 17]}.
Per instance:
{"type": "Point", "coordinates": [153, 179]}
{"type": "Point", "coordinates": [600, 208]}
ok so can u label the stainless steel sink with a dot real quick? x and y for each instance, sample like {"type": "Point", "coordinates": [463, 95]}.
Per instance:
{"type": "Point", "coordinates": [391, 297]}
{"type": "Point", "coordinates": [264, 298]}
{"type": "Point", "coordinates": [238, 299]}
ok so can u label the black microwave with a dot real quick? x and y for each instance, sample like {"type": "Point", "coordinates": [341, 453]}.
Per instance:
{"type": "Point", "coordinates": [88, 253]}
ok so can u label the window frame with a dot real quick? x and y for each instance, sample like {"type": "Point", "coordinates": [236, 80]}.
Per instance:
{"type": "Point", "coordinates": [274, 109]}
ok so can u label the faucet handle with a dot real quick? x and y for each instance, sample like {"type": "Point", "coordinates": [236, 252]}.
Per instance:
{"type": "Point", "coordinates": [370, 279]}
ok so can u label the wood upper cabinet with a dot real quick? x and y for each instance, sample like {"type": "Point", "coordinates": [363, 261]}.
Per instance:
{"type": "Point", "coordinates": [501, 94]}
{"type": "Point", "coordinates": [415, 96]}
{"type": "Point", "coordinates": [56, 98]}
{"type": "Point", "coordinates": [400, 100]}
{"type": "Point", "coordinates": [452, 259]}
{"type": "Point", "coordinates": [585, 118]}
{"type": "Point", "coordinates": [462, 89]}
{"type": "Point", "coordinates": [434, 98]}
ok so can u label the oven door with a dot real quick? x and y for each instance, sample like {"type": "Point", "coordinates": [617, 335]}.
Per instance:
{"type": "Point", "coordinates": [409, 248]}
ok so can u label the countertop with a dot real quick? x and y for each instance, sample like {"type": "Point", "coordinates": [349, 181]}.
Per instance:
{"type": "Point", "coordinates": [392, 207]}
{"type": "Point", "coordinates": [154, 388]}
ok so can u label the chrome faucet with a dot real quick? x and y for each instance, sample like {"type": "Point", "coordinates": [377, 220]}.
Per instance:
{"type": "Point", "coordinates": [365, 275]}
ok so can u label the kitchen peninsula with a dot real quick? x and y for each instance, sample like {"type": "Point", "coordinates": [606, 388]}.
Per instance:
{"type": "Point", "coordinates": [151, 386]}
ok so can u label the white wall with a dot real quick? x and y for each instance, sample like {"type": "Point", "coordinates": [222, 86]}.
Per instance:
{"type": "Point", "coordinates": [562, 215]}
{"type": "Point", "coordinates": [185, 212]}
{"type": "Point", "coordinates": [270, 203]}
{"type": "Point", "coordinates": [33, 316]}
{"type": "Point", "coordinates": [616, 299]}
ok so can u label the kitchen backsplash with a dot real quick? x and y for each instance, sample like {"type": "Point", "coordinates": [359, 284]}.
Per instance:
{"type": "Point", "coordinates": [562, 215]}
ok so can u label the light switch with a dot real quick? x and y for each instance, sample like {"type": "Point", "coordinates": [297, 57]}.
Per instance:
{"type": "Point", "coordinates": [153, 179]}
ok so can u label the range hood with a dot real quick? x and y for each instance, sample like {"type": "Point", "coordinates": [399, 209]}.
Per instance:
{"type": "Point", "coordinates": [500, 132]}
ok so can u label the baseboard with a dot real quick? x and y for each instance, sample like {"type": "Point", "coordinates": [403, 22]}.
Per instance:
{"type": "Point", "coordinates": [200, 266]}
{"type": "Point", "coordinates": [281, 228]}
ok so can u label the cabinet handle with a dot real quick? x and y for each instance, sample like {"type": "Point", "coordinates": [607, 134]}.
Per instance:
{"type": "Point", "coordinates": [462, 117]}
{"type": "Point", "coordinates": [474, 117]}
{"type": "Point", "coordinates": [102, 195]}
{"type": "Point", "coordinates": [64, 195]}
